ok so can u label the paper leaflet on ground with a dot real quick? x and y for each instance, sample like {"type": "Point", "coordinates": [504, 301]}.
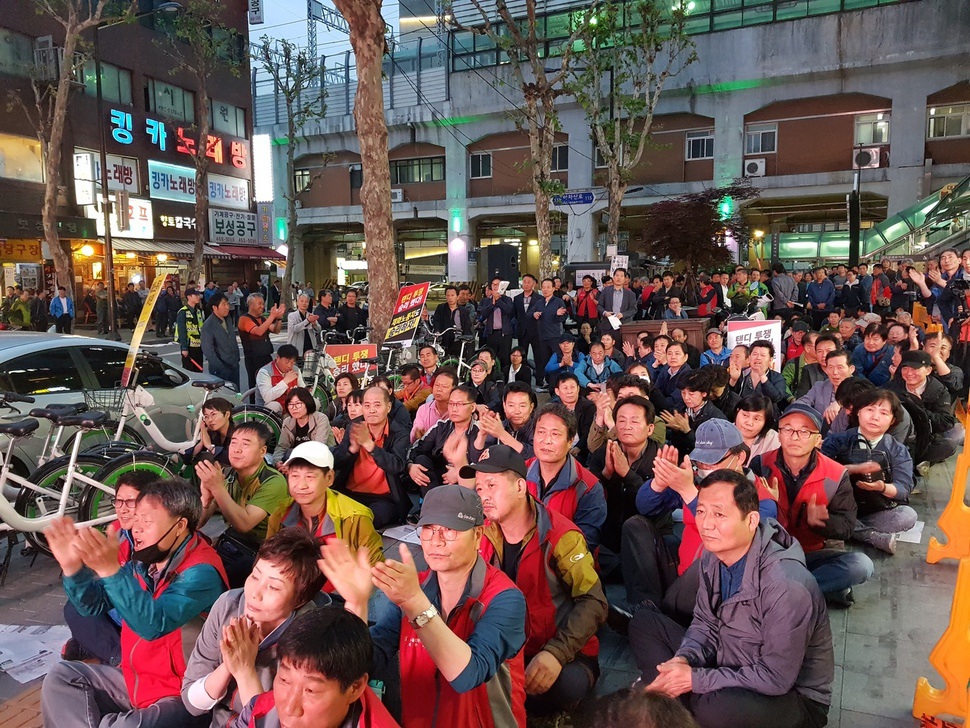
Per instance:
{"type": "Point", "coordinates": [28, 651]}
{"type": "Point", "coordinates": [407, 534]}
{"type": "Point", "coordinates": [913, 535]}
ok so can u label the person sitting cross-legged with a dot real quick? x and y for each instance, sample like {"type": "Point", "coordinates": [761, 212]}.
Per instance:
{"type": "Point", "coordinates": [234, 658]}
{"type": "Point", "coordinates": [173, 577]}
{"type": "Point", "coordinates": [548, 559]}
{"type": "Point", "coordinates": [325, 659]}
{"type": "Point", "coordinates": [758, 653]}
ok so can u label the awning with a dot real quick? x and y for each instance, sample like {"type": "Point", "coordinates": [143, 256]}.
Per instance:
{"type": "Point", "coordinates": [152, 247]}
{"type": "Point", "coordinates": [246, 252]}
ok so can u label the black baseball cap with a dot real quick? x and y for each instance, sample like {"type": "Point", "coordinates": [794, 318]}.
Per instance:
{"type": "Point", "coordinates": [497, 459]}
{"type": "Point", "coordinates": [193, 292]}
{"type": "Point", "coordinates": [452, 506]}
{"type": "Point", "coordinates": [915, 359]}
{"type": "Point", "coordinates": [800, 326]}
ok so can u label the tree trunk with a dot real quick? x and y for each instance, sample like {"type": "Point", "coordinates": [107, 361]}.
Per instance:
{"type": "Point", "coordinates": [617, 191]}
{"type": "Point", "coordinates": [292, 231]}
{"type": "Point", "coordinates": [542, 134]}
{"type": "Point", "coordinates": [201, 187]}
{"type": "Point", "coordinates": [367, 40]}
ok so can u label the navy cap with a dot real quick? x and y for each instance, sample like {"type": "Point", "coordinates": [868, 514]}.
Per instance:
{"type": "Point", "coordinates": [797, 408]}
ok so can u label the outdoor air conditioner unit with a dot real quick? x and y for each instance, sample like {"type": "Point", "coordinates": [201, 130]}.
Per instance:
{"type": "Point", "coordinates": [47, 58]}
{"type": "Point", "coordinates": [397, 195]}
{"type": "Point", "coordinates": [866, 157]}
{"type": "Point", "coordinates": [754, 167]}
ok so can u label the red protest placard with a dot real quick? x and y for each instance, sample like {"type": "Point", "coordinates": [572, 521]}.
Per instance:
{"type": "Point", "coordinates": [349, 357]}
{"type": "Point", "coordinates": [407, 314]}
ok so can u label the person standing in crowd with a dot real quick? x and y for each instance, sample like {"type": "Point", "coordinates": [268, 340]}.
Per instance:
{"type": "Point", "coordinates": [101, 296]}
{"type": "Point", "coordinates": [587, 310]}
{"type": "Point", "coordinates": [821, 297]}
{"type": "Point", "coordinates": [302, 327]}
{"type": "Point", "coordinates": [457, 630]}
{"type": "Point", "coordinates": [526, 325]}
{"type": "Point", "coordinates": [220, 347]}
{"type": "Point", "coordinates": [716, 352]}
{"type": "Point", "coordinates": [496, 311]}
{"type": "Point", "coordinates": [254, 331]}
{"type": "Point", "coordinates": [549, 315]}
{"type": "Point", "coordinates": [548, 559]}
{"type": "Point", "coordinates": [618, 303]}
{"type": "Point", "coordinates": [188, 331]}
{"type": "Point", "coordinates": [350, 316]}
{"type": "Point", "coordinates": [132, 302]}
{"type": "Point", "coordinates": [784, 292]}
{"type": "Point", "coordinates": [450, 315]}
{"type": "Point", "coordinates": [62, 311]}
{"type": "Point", "coordinates": [325, 311]}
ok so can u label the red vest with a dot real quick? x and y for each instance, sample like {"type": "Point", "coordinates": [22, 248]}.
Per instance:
{"type": "Point", "coordinates": [690, 542]}
{"type": "Point", "coordinates": [822, 482]}
{"type": "Point", "coordinates": [153, 669]}
{"type": "Point", "coordinates": [546, 600]}
{"type": "Point", "coordinates": [586, 303]}
{"type": "Point", "coordinates": [374, 713]}
{"type": "Point", "coordinates": [705, 309]}
{"type": "Point", "coordinates": [565, 501]}
{"type": "Point", "coordinates": [429, 701]}
{"type": "Point", "coordinates": [275, 377]}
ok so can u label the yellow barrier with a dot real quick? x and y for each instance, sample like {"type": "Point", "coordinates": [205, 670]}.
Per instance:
{"type": "Point", "coordinates": [950, 657]}
{"type": "Point", "coordinates": [955, 519]}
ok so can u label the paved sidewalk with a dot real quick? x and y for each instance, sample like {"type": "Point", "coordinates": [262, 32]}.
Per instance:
{"type": "Point", "coordinates": [881, 644]}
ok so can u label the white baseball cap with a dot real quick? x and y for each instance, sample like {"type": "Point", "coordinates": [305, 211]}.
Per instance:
{"type": "Point", "coordinates": [315, 453]}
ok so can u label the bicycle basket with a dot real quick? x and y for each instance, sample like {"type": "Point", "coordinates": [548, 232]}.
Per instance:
{"type": "Point", "coordinates": [311, 362]}
{"type": "Point", "coordinates": [105, 400]}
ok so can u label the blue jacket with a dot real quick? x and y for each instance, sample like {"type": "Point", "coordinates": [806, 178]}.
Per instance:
{"type": "Point", "coordinates": [554, 367]}
{"type": "Point", "coordinates": [823, 292]}
{"type": "Point", "coordinates": [549, 322]}
{"type": "Point", "coordinates": [874, 367]}
{"type": "Point", "coordinates": [709, 357]}
{"type": "Point", "coordinates": [57, 310]}
{"type": "Point", "coordinates": [587, 374]}
{"type": "Point", "coordinates": [838, 445]}
{"type": "Point", "coordinates": [486, 310]}
{"type": "Point", "coordinates": [669, 386]}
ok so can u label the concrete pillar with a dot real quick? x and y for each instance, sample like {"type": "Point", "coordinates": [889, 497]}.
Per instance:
{"type": "Point", "coordinates": [581, 225]}
{"type": "Point", "coordinates": [460, 238]}
{"type": "Point", "coordinates": [728, 111]}
{"type": "Point", "coordinates": [907, 134]}
{"type": "Point", "coordinates": [581, 231]}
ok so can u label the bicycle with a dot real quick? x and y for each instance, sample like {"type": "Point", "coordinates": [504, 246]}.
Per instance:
{"type": "Point", "coordinates": [461, 365]}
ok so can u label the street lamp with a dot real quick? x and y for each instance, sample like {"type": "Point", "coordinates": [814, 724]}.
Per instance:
{"type": "Point", "coordinates": [168, 7]}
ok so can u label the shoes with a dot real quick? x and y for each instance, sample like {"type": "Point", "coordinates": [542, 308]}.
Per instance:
{"type": "Point", "coordinates": [840, 599]}
{"type": "Point", "coordinates": [73, 652]}
{"type": "Point", "coordinates": [618, 619]}
{"type": "Point", "coordinates": [923, 469]}
{"type": "Point", "coordinates": [883, 541]}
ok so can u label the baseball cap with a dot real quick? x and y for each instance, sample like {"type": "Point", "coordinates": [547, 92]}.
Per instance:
{"type": "Point", "coordinates": [567, 337]}
{"type": "Point", "coordinates": [496, 459]}
{"type": "Point", "coordinates": [193, 292]}
{"type": "Point", "coordinates": [798, 408]}
{"type": "Point", "coordinates": [800, 326]}
{"type": "Point", "coordinates": [713, 440]}
{"type": "Point", "coordinates": [452, 506]}
{"type": "Point", "coordinates": [713, 331]}
{"type": "Point", "coordinates": [315, 453]}
{"type": "Point", "coordinates": [478, 363]}
{"type": "Point", "coordinates": [915, 359]}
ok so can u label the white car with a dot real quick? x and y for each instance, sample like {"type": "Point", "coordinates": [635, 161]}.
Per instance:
{"type": "Point", "coordinates": [58, 368]}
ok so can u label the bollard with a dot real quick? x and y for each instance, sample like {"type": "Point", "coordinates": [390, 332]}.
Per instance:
{"type": "Point", "coordinates": [955, 519]}
{"type": "Point", "coordinates": [950, 657]}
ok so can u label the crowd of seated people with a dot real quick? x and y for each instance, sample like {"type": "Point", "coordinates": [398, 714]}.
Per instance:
{"type": "Point", "coordinates": [737, 493]}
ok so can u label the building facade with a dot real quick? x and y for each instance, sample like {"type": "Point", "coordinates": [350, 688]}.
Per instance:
{"type": "Point", "coordinates": [786, 93]}
{"type": "Point", "coordinates": [149, 128]}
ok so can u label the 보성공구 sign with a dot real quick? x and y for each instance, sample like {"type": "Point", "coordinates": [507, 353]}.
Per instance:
{"type": "Point", "coordinates": [234, 228]}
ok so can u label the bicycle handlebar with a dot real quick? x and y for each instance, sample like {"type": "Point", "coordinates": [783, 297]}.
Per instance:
{"type": "Point", "coordinates": [12, 397]}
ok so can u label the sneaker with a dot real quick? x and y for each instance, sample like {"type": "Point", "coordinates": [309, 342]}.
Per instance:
{"type": "Point", "coordinates": [73, 652]}
{"type": "Point", "coordinates": [840, 599]}
{"type": "Point", "coordinates": [883, 541]}
{"type": "Point", "coordinates": [618, 619]}
{"type": "Point", "coordinates": [923, 469]}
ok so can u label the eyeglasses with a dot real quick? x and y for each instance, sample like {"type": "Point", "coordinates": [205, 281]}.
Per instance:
{"type": "Point", "coordinates": [796, 434]}
{"type": "Point", "coordinates": [427, 533]}
{"type": "Point", "coordinates": [123, 503]}
{"type": "Point", "coordinates": [460, 404]}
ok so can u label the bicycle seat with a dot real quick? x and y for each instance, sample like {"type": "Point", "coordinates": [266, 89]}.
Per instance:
{"type": "Point", "coordinates": [19, 429]}
{"type": "Point", "coordinates": [463, 337]}
{"type": "Point", "coordinates": [372, 360]}
{"type": "Point", "coordinates": [208, 384]}
{"type": "Point", "coordinates": [86, 421]}
{"type": "Point", "coordinates": [394, 345]}
{"type": "Point", "coordinates": [52, 412]}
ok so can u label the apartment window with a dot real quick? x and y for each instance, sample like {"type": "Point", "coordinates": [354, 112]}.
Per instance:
{"type": "Point", "coordinates": [948, 121]}
{"type": "Point", "coordinates": [21, 158]}
{"type": "Point", "coordinates": [560, 158]}
{"type": "Point", "coordinates": [16, 53]}
{"type": "Point", "coordinates": [228, 119]}
{"type": "Point", "coordinates": [872, 128]}
{"type": "Point", "coordinates": [761, 139]}
{"type": "Point", "coordinates": [423, 169]}
{"type": "Point", "coordinates": [481, 166]}
{"type": "Point", "coordinates": [700, 145]}
{"type": "Point", "coordinates": [356, 176]}
{"type": "Point", "coordinates": [115, 82]}
{"type": "Point", "coordinates": [301, 180]}
{"type": "Point", "coordinates": [171, 101]}
{"type": "Point", "coordinates": [598, 160]}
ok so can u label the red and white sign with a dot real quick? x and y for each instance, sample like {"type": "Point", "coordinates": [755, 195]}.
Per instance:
{"type": "Point", "coordinates": [349, 357]}
{"type": "Point", "coordinates": [407, 314]}
{"type": "Point", "coordinates": [747, 332]}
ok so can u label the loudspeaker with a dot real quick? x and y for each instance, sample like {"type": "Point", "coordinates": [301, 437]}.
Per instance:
{"type": "Point", "coordinates": [503, 261]}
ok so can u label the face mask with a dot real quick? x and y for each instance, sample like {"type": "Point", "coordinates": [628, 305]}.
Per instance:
{"type": "Point", "coordinates": [153, 554]}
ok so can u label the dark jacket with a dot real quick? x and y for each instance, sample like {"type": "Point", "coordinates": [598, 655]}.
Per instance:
{"type": "Point", "coordinates": [429, 450]}
{"type": "Point", "coordinates": [621, 493]}
{"type": "Point", "coordinates": [486, 312]}
{"type": "Point", "coordinates": [604, 305]}
{"type": "Point", "coordinates": [669, 387]}
{"type": "Point", "coordinates": [549, 325]}
{"type": "Point", "coordinates": [684, 441]}
{"type": "Point", "coordinates": [525, 374]}
{"type": "Point", "coordinates": [526, 326]}
{"type": "Point", "coordinates": [775, 389]}
{"type": "Point", "coordinates": [773, 635]}
{"type": "Point", "coordinates": [349, 318]}
{"type": "Point", "coordinates": [220, 347]}
{"type": "Point", "coordinates": [845, 447]}
{"type": "Point", "coordinates": [936, 401]}
{"type": "Point", "coordinates": [391, 458]}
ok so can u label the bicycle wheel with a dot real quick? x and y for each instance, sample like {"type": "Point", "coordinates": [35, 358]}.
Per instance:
{"type": "Point", "coordinates": [258, 413]}
{"type": "Point", "coordinates": [104, 435]}
{"type": "Point", "coordinates": [95, 502]}
{"type": "Point", "coordinates": [31, 504]}
{"type": "Point", "coordinates": [322, 398]}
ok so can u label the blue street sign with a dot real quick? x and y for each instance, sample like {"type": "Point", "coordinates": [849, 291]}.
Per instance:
{"type": "Point", "coordinates": [573, 198]}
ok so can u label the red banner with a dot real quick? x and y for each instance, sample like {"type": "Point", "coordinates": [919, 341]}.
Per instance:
{"type": "Point", "coordinates": [349, 356]}
{"type": "Point", "coordinates": [407, 314]}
